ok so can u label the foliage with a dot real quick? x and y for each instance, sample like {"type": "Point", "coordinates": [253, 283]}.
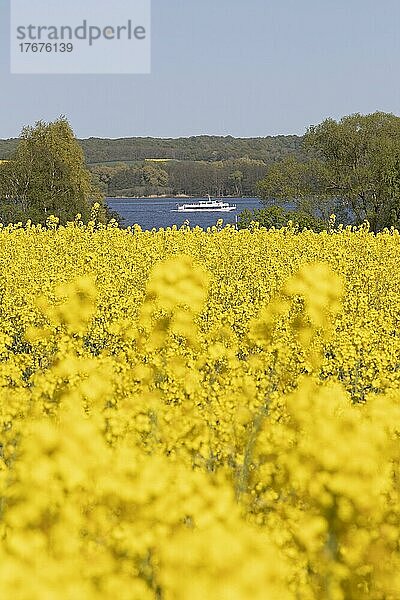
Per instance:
{"type": "Point", "coordinates": [193, 178]}
{"type": "Point", "coordinates": [277, 217]}
{"type": "Point", "coordinates": [206, 148]}
{"type": "Point", "coordinates": [195, 166]}
{"type": "Point", "coordinates": [46, 175]}
{"type": "Point", "coordinates": [191, 414]}
{"type": "Point", "coordinates": [354, 164]}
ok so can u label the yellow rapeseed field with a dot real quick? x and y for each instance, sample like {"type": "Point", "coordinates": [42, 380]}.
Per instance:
{"type": "Point", "coordinates": [199, 415]}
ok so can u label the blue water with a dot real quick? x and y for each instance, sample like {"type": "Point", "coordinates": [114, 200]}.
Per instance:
{"type": "Point", "coordinates": [149, 212]}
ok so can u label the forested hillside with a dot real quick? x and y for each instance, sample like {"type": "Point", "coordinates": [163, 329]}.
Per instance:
{"type": "Point", "coordinates": [7, 147]}
{"type": "Point", "coordinates": [208, 148]}
{"type": "Point", "coordinates": [195, 166]}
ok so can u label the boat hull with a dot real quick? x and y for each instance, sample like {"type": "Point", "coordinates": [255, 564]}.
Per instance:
{"type": "Point", "coordinates": [203, 210]}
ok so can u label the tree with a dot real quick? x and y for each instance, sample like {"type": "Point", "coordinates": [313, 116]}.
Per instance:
{"type": "Point", "coordinates": [353, 165]}
{"type": "Point", "coordinates": [277, 217]}
{"type": "Point", "coordinates": [236, 179]}
{"type": "Point", "coordinates": [46, 176]}
{"type": "Point", "coordinates": [154, 176]}
{"type": "Point", "coordinates": [102, 175]}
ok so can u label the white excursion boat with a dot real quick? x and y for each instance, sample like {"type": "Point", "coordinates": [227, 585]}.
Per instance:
{"type": "Point", "coordinates": [205, 206]}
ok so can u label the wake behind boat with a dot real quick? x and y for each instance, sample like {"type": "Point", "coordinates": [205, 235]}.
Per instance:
{"type": "Point", "coordinates": [205, 206]}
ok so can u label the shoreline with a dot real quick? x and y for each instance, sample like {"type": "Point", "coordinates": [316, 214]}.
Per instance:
{"type": "Point", "coordinates": [180, 197]}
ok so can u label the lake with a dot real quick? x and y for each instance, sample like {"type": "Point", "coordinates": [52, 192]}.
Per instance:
{"type": "Point", "coordinates": [158, 212]}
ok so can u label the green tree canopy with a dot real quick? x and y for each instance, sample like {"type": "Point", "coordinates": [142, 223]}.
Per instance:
{"type": "Point", "coordinates": [278, 217]}
{"type": "Point", "coordinates": [46, 175]}
{"type": "Point", "coordinates": [353, 164]}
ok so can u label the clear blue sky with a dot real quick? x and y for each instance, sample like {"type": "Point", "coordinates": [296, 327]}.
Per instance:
{"type": "Point", "coordinates": [226, 67]}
